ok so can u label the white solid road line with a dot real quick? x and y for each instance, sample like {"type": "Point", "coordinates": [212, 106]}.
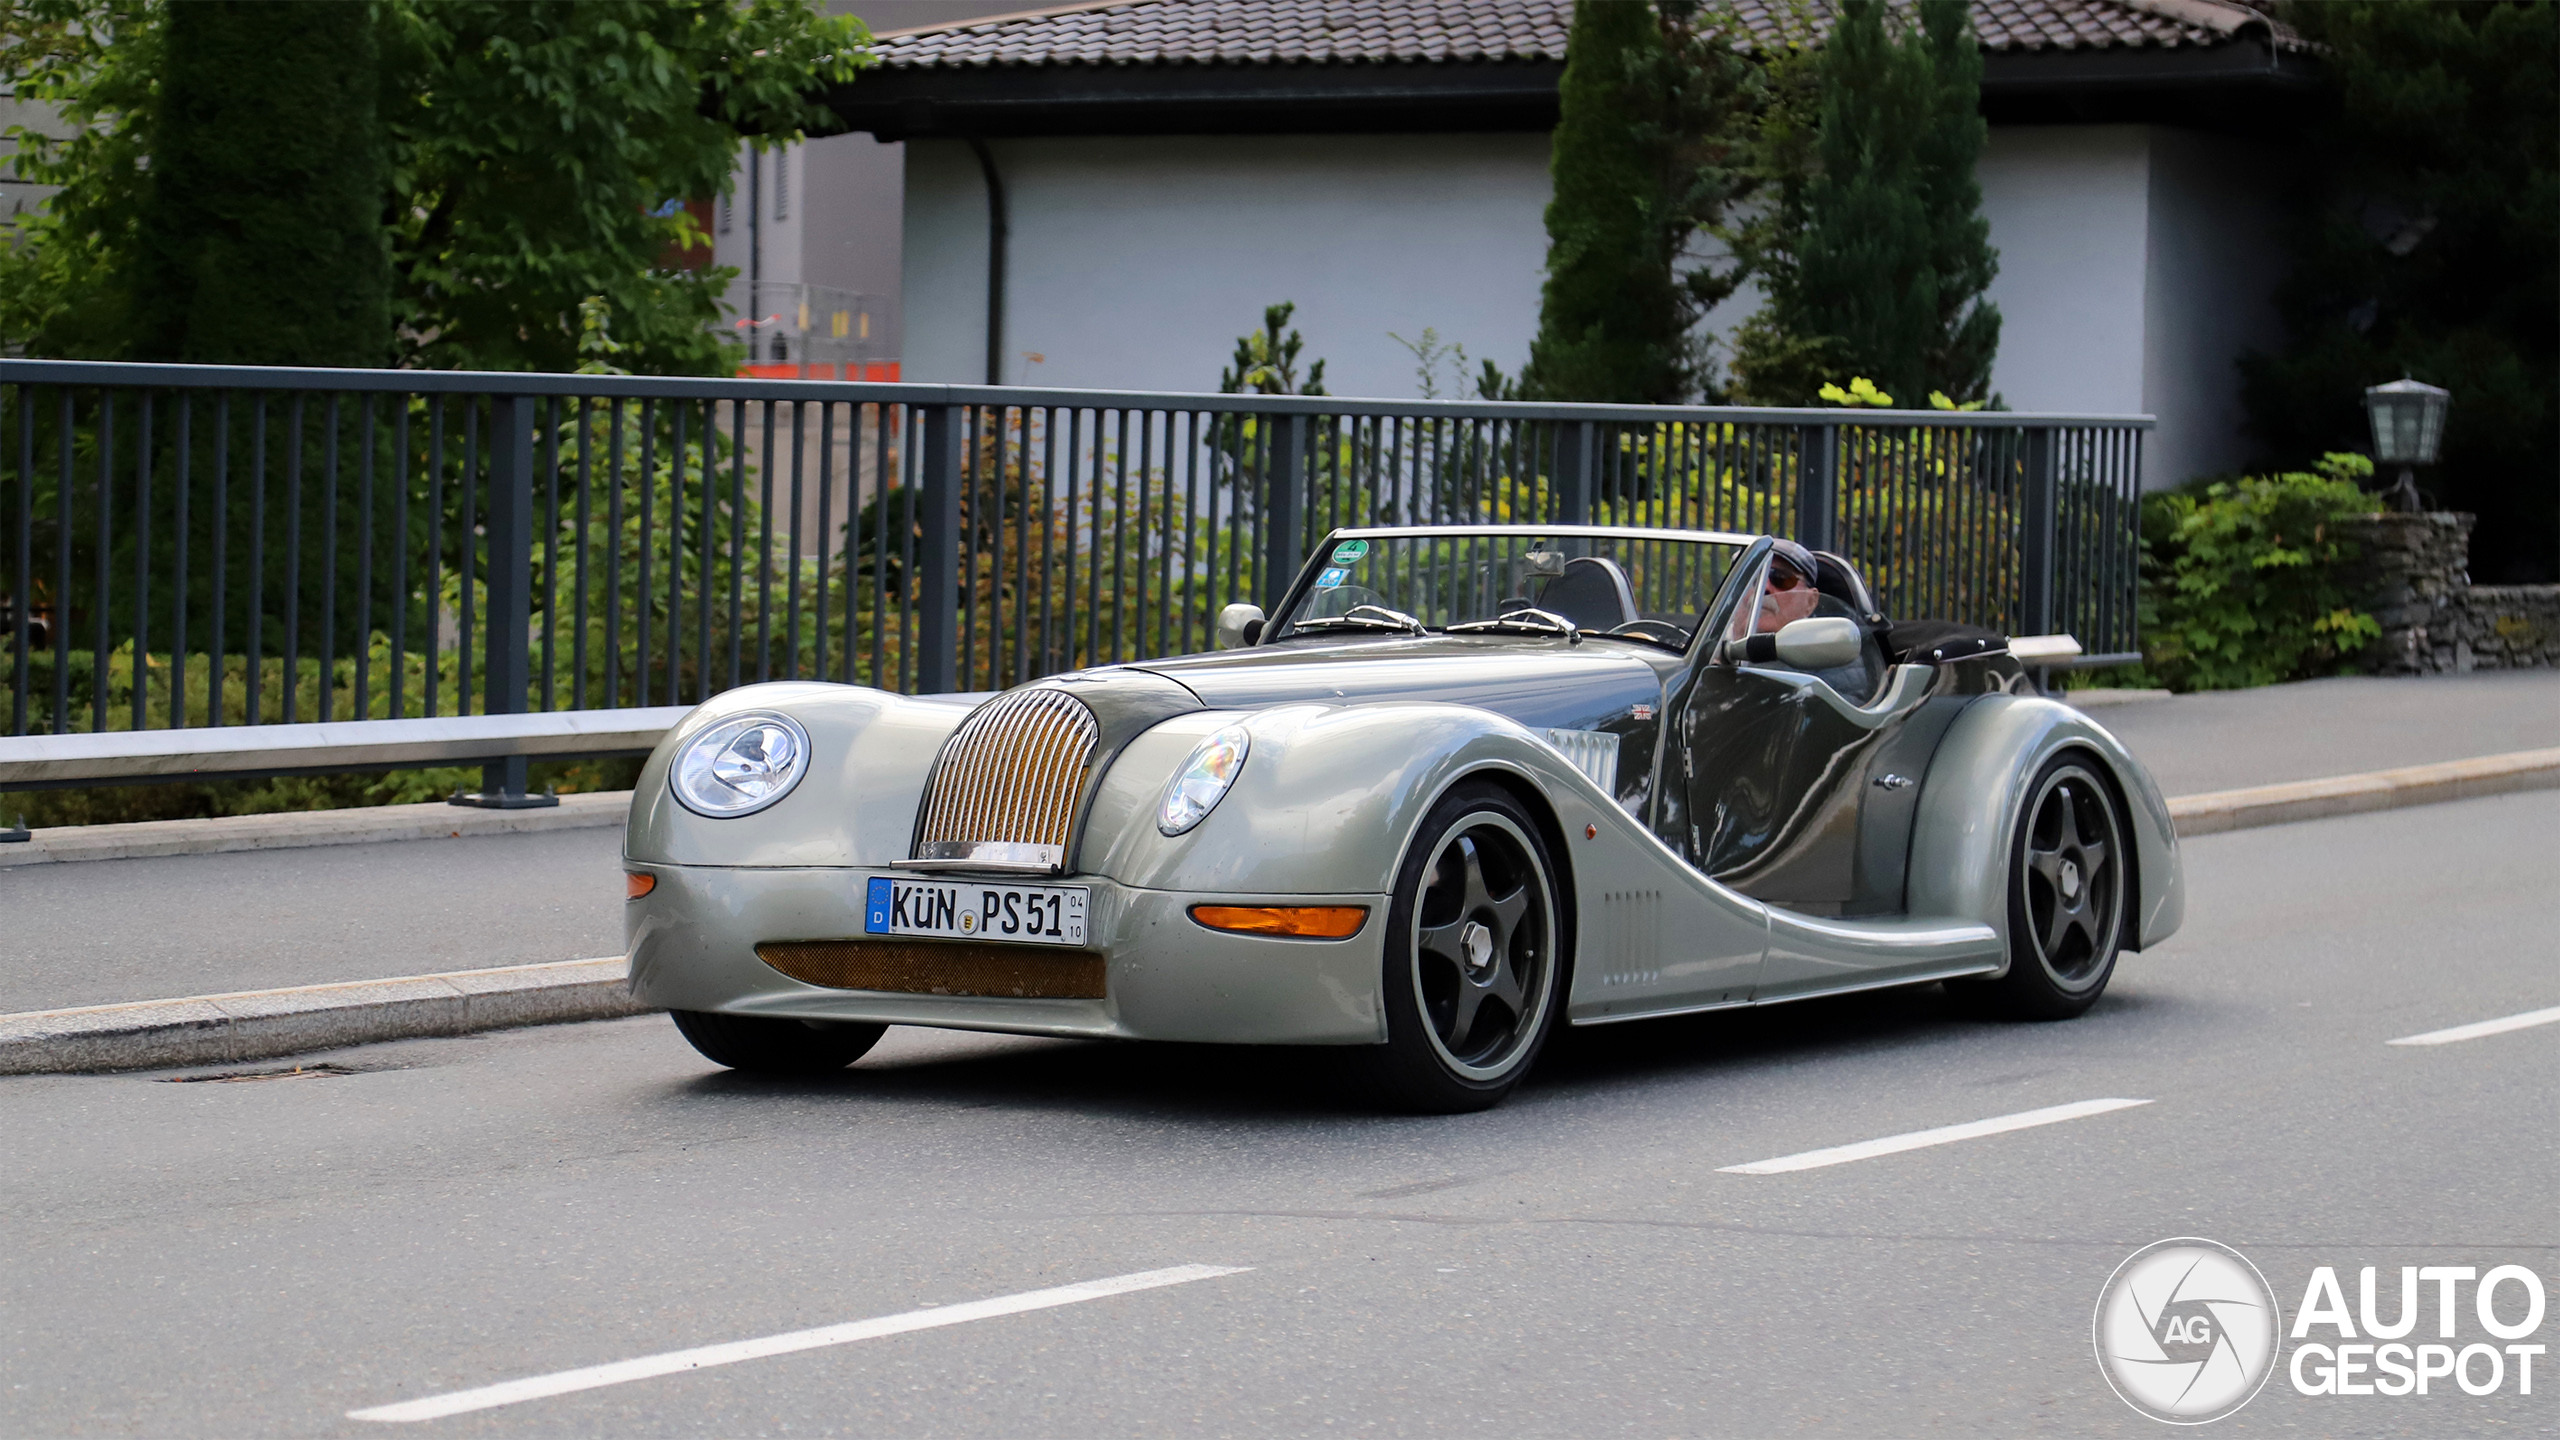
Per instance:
{"type": "Point", "coordinates": [1918, 1139]}
{"type": "Point", "coordinates": [436, 1407]}
{"type": "Point", "coordinates": [2525, 1021]}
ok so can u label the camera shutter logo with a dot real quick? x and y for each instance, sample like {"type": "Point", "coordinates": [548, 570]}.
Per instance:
{"type": "Point", "coordinates": [2186, 1331]}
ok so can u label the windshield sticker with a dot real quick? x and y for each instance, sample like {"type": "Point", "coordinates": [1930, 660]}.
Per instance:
{"type": "Point", "coordinates": [1350, 552]}
{"type": "Point", "coordinates": [1332, 578]}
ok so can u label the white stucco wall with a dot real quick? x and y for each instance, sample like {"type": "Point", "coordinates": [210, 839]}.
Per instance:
{"type": "Point", "coordinates": [1136, 262]}
{"type": "Point", "coordinates": [2068, 207]}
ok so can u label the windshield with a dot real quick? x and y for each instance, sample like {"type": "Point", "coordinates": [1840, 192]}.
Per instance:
{"type": "Point", "coordinates": [1637, 585]}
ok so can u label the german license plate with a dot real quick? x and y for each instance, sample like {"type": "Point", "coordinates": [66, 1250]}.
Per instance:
{"type": "Point", "coordinates": [953, 910]}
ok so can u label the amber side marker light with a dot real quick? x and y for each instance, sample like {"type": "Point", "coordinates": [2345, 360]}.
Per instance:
{"type": "Point", "coordinates": [635, 884]}
{"type": "Point", "coordinates": [1305, 922]}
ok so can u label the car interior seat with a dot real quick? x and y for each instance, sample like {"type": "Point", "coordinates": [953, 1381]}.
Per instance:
{"type": "Point", "coordinates": [1592, 593]}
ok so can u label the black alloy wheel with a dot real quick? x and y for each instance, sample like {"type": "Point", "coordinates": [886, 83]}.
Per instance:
{"type": "Point", "coordinates": [2068, 896]}
{"type": "Point", "coordinates": [1474, 970]}
{"type": "Point", "coordinates": [765, 1045]}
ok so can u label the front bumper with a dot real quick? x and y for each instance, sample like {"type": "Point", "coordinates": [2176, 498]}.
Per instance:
{"type": "Point", "coordinates": [693, 939]}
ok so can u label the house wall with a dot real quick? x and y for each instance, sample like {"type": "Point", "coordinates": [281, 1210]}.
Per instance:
{"type": "Point", "coordinates": [2213, 266]}
{"type": "Point", "coordinates": [2135, 264]}
{"type": "Point", "coordinates": [1134, 263]}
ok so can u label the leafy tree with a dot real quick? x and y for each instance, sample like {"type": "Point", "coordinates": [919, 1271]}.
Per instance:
{"type": "Point", "coordinates": [1266, 361]}
{"type": "Point", "coordinates": [1649, 150]}
{"type": "Point", "coordinates": [260, 237]}
{"type": "Point", "coordinates": [1876, 261]}
{"type": "Point", "coordinates": [2425, 221]}
{"type": "Point", "coordinates": [531, 150]}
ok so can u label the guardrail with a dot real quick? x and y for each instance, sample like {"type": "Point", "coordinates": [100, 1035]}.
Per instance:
{"type": "Point", "coordinates": [202, 546]}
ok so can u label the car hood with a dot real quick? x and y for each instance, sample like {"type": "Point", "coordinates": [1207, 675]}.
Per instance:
{"type": "Point", "coordinates": [1539, 683]}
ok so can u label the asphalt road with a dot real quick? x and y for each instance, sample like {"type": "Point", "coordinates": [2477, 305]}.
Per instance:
{"type": "Point", "coordinates": [261, 1258]}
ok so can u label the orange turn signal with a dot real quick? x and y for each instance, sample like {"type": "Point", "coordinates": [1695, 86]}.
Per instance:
{"type": "Point", "coordinates": [1305, 922]}
{"type": "Point", "coordinates": [635, 884]}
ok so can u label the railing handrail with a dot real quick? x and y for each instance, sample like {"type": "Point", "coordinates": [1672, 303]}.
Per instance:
{"type": "Point", "coordinates": [641, 387]}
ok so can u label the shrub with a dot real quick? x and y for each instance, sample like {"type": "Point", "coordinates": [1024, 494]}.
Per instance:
{"type": "Point", "coordinates": [2245, 582]}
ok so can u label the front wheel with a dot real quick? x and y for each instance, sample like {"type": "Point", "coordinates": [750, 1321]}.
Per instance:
{"type": "Point", "coordinates": [763, 1045]}
{"type": "Point", "coordinates": [1474, 957]}
{"type": "Point", "coordinates": [2068, 895]}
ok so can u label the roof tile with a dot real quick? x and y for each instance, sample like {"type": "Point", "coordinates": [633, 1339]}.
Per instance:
{"type": "Point", "coordinates": [1177, 32]}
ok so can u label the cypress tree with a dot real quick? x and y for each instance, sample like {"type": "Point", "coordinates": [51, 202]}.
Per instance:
{"type": "Point", "coordinates": [1958, 361]}
{"type": "Point", "coordinates": [262, 234]}
{"type": "Point", "coordinates": [1611, 325]}
{"type": "Point", "coordinates": [1876, 263]}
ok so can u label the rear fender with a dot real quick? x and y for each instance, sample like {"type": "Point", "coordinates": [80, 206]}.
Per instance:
{"type": "Point", "coordinates": [1969, 805]}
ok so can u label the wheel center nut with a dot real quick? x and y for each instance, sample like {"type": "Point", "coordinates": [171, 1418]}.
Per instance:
{"type": "Point", "coordinates": [1477, 941]}
{"type": "Point", "coordinates": [2070, 880]}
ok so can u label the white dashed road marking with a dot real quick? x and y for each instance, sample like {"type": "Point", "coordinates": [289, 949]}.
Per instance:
{"type": "Point", "coordinates": [2525, 1021]}
{"type": "Point", "coordinates": [436, 1407]}
{"type": "Point", "coordinates": [1920, 1139]}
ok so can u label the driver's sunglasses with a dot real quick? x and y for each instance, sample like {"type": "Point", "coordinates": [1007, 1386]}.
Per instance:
{"type": "Point", "coordinates": [1784, 580]}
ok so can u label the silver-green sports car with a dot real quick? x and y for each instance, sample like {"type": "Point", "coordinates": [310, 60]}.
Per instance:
{"type": "Point", "coordinates": [1466, 785]}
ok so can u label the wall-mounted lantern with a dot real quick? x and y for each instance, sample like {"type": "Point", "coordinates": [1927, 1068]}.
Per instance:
{"type": "Point", "coordinates": [2408, 428]}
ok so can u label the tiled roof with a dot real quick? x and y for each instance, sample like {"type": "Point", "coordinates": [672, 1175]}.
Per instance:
{"type": "Point", "coordinates": [1282, 32]}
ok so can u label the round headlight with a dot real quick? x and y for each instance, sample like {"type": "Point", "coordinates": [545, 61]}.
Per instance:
{"type": "Point", "coordinates": [1203, 781]}
{"type": "Point", "coordinates": [740, 765]}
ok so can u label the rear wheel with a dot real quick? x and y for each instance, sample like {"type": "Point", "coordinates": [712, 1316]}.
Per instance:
{"type": "Point", "coordinates": [1474, 965]}
{"type": "Point", "coordinates": [2068, 896]}
{"type": "Point", "coordinates": [763, 1045]}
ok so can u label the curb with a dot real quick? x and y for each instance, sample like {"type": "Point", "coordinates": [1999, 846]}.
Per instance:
{"type": "Point", "coordinates": [2221, 810]}
{"type": "Point", "coordinates": [262, 1024]}
{"type": "Point", "coordinates": [434, 820]}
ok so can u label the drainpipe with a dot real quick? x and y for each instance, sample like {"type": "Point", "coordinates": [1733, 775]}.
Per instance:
{"type": "Point", "coordinates": [755, 254]}
{"type": "Point", "coordinates": [995, 260]}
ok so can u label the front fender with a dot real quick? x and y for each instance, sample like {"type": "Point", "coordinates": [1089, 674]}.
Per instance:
{"type": "Point", "coordinates": [869, 753]}
{"type": "Point", "coordinates": [1969, 804]}
{"type": "Point", "coordinates": [1328, 799]}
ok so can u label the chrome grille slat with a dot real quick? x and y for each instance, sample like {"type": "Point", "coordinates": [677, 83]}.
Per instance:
{"type": "Point", "coordinates": [1010, 777]}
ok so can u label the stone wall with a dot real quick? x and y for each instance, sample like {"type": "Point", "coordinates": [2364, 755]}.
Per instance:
{"type": "Point", "coordinates": [2417, 583]}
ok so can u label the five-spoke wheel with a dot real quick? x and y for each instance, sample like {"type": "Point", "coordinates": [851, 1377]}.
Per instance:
{"type": "Point", "coordinates": [1473, 963]}
{"type": "Point", "coordinates": [2067, 896]}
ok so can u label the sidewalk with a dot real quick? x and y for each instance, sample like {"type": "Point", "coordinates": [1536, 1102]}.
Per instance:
{"type": "Point", "coordinates": [2228, 739]}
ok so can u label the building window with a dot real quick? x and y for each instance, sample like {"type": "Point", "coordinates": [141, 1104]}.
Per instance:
{"type": "Point", "coordinates": [782, 185]}
{"type": "Point", "coordinates": [728, 212]}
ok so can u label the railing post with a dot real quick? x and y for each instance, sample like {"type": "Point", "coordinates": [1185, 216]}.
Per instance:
{"type": "Point", "coordinates": [1577, 458]}
{"type": "Point", "coordinates": [1285, 487]}
{"type": "Point", "coordinates": [938, 566]}
{"type": "Point", "coordinates": [508, 661]}
{"type": "Point", "coordinates": [2035, 540]}
{"type": "Point", "coordinates": [1818, 493]}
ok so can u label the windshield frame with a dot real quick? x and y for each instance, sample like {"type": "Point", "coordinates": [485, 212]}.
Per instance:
{"type": "Point", "coordinates": [1719, 607]}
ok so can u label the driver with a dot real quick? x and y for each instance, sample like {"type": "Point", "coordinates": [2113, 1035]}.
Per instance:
{"type": "Point", "coordinates": [1787, 591]}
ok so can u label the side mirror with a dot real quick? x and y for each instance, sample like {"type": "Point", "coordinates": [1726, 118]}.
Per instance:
{"type": "Point", "coordinates": [1818, 644]}
{"type": "Point", "coordinates": [1239, 625]}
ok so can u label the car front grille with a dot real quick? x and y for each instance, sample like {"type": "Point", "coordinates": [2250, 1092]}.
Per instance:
{"type": "Point", "coordinates": [1006, 789]}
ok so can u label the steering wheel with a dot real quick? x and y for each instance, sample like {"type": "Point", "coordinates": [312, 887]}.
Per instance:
{"type": "Point", "coordinates": [1662, 630]}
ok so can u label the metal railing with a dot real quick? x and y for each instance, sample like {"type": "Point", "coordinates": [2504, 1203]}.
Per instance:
{"type": "Point", "coordinates": [192, 545]}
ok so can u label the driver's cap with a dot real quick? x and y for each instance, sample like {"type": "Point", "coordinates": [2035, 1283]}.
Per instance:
{"type": "Point", "coordinates": [1797, 558]}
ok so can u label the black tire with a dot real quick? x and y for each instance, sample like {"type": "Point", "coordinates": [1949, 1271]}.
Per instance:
{"type": "Point", "coordinates": [2069, 896]}
{"type": "Point", "coordinates": [761, 1045]}
{"type": "Point", "coordinates": [1475, 968]}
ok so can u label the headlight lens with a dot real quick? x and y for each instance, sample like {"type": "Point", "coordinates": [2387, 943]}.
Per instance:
{"type": "Point", "coordinates": [740, 765]}
{"type": "Point", "coordinates": [1203, 781]}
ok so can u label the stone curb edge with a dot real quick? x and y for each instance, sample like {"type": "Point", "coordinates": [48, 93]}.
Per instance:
{"type": "Point", "coordinates": [263, 1024]}
{"type": "Point", "coordinates": [2222, 810]}
{"type": "Point", "coordinates": [434, 820]}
